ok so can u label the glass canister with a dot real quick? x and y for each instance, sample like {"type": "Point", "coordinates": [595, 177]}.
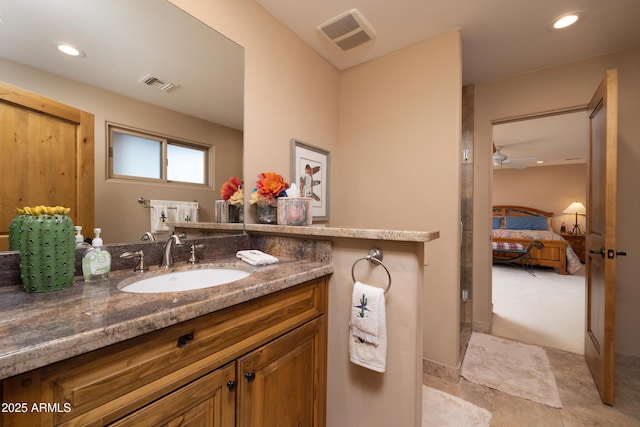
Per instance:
{"type": "Point", "coordinates": [266, 214]}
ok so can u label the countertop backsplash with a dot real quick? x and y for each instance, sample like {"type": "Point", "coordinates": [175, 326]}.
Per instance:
{"type": "Point", "coordinates": [213, 248]}
{"type": "Point", "coordinates": [9, 268]}
{"type": "Point", "coordinates": [295, 247]}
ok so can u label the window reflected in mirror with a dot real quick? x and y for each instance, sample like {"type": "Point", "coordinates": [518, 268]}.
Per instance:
{"type": "Point", "coordinates": [146, 156]}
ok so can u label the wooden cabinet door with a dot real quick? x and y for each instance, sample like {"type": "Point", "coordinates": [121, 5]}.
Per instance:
{"type": "Point", "coordinates": [207, 402]}
{"type": "Point", "coordinates": [282, 384]}
{"type": "Point", "coordinates": [46, 157]}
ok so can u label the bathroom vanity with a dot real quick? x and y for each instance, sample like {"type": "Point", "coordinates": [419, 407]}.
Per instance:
{"type": "Point", "coordinates": [254, 349]}
{"type": "Point", "coordinates": [250, 350]}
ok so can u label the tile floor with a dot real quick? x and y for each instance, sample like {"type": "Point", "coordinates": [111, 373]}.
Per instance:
{"type": "Point", "coordinates": [580, 399]}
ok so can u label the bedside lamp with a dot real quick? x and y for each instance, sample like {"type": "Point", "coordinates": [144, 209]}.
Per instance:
{"type": "Point", "coordinates": [576, 208]}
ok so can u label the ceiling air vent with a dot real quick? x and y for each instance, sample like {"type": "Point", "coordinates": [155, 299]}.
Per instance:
{"type": "Point", "coordinates": [348, 30]}
{"type": "Point", "coordinates": [153, 81]}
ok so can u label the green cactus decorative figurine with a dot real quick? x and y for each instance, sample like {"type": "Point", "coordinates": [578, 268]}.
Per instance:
{"type": "Point", "coordinates": [47, 248]}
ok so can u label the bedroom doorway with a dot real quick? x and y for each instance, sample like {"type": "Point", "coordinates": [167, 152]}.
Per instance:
{"type": "Point", "coordinates": [539, 162]}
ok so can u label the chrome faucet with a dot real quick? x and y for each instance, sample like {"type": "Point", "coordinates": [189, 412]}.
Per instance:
{"type": "Point", "coordinates": [167, 256]}
{"type": "Point", "coordinates": [148, 236]}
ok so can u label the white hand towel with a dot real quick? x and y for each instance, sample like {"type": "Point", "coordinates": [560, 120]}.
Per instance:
{"type": "Point", "coordinates": [159, 215]}
{"type": "Point", "coordinates": [368, 337]}
{"type": "Point", "coordinates": [255, 257]}
{"type": "Point", "coordinates": [163, 211]}
{"type": "Point", "coordinates": [186, 211]}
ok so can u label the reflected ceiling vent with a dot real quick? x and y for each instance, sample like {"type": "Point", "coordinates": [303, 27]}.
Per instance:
{"type": "Point", "coordinates": [348, 30]}
{"type": "Point", "coordinates": [153, 81]}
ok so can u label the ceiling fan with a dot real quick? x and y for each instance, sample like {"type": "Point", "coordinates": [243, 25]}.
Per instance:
{"type": "Point", "coordinates": [500, 159]}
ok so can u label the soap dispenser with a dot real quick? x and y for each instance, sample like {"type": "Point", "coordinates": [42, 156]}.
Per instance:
{"type": "Point", "coordinates": [79, 237]}
{"type": "Point", "coordinates": [96, 262]}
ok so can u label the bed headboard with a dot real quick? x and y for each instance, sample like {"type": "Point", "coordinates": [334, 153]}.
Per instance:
{"type": "Point", "coordinates": [509, 210]}
{"type": "Point", "coordinates": [521, 218]}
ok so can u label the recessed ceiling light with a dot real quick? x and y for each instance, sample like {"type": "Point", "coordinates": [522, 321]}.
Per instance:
{"type": "Point", "coordinates": [69, 50]}
{"type": "Point", "coordinates": [540, 162]}
{"type": "Point", "coordinates": [566, 20]}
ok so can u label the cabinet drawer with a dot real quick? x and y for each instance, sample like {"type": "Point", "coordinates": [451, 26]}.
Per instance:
{"type": "Point", "coordinates": [205, 402]}
{"type": "Point", "coordinates": [107, 384]}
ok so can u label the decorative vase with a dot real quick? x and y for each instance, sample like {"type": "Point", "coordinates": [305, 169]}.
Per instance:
{"type": "Point", "coordinates": [47, 251]}
{"type": "Point", "coordinates": [222, 210]}
{"type": "Point", "coordinates": [266, 214]}
{"type": "Point", "coordinates": [236, 213]}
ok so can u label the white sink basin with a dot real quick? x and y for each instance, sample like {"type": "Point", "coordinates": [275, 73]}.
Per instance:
{"type": "Point", "coordinates": [185, 280]}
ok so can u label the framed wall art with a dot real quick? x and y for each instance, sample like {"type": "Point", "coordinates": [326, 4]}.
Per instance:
{"type": "Point", "coordinates": [310, 172]}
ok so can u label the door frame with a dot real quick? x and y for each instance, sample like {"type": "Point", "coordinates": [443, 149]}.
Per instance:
{"type": "Point", "coordinates": [568, 110]}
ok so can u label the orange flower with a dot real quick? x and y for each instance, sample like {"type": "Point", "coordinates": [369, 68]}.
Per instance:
{"type": "Point", "coordinates": [271, 184]}
{"type": "Point", "coordinates": [230, 187]}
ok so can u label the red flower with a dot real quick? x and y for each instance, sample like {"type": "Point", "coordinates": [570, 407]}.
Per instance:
{"type": "Point", "coordinates": [230, 187]}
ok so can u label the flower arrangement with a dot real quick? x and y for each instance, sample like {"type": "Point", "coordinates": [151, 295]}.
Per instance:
{"type": "Point", "coordinates": [269, 187]}
{"type": "Point", "coordinates": [232, 191]}
{"type": "Point", "coordinates": [43, 210]}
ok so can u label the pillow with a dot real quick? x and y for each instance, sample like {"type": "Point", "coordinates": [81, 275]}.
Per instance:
{"type": "Point", "coordinates": [497, 222]}
{"type": "Point", "coordinates": [526, 223]}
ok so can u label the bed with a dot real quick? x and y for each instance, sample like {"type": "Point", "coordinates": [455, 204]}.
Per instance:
{"type": "Point", "coordinates": [519, 225]}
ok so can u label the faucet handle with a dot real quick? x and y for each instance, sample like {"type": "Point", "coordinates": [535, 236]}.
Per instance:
{"type": "Point", "coordinates": [148, 236]}
{"type": "Point", "coordinates": [141, 267]}
{"type": "Point", "coordinates": [192, 259]}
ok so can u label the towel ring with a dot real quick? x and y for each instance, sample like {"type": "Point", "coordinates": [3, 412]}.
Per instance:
{"type": "Point", "coordinates": [375, 255]}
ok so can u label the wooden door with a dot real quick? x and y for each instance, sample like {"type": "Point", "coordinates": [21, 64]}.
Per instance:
{"type": "Point", "coordinates": [280, 385]}
{"type": "Point", "coordinates": [601, 235]}
{"type": "Point", "coordinates": [46, 157]}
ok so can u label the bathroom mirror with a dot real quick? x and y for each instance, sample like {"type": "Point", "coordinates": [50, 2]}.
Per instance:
{"type": "Point", "coordinates": [144, 64]}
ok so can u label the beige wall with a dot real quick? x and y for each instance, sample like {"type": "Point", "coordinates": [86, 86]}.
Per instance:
{"type": "Point", "coordinates": [555, 89]}
{"type": "Point", "coordinates": [548, 188]}
{"type": "Point", "coordinates": [356, 395]}
{"type": "Point", "coordinates": [398, 165]}
{"type": "Point", "coordinates": [290, 91]}
{"type": "Point", "coordinates": [118, 213]}
{"type": "Point", "coordinates": [399, 142]}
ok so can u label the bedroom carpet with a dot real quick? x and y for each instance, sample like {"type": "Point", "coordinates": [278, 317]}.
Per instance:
{"type": "Point", "coordinates": [518, 369]}
{"type": "Point", "coordinates": [546, 310]}
{"type": "Point", "coordinates": [440, 409]}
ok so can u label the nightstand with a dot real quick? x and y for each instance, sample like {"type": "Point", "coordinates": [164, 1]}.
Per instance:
{"type": "Point", "coordinates": [577, 244]}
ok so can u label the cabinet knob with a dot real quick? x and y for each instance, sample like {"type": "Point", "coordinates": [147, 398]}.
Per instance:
{"type": "Point", "coordinates": [250, 376]}
{"type": "Point", "coordinates": [232, 385]}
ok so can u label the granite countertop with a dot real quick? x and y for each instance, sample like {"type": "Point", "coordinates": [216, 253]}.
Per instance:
{"type": "Point", "coordinates": [40, 329]}
{"type": "Point", "coordinates": [318, 230]}
{"type": "Point", "coordinates": [322, 230]}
